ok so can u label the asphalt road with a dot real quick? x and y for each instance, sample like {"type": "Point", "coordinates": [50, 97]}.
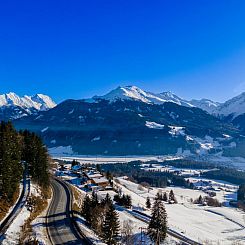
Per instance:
{"type": "Point", "coordinates": [18, 206]}
{"type": "Point", "coordinates": [60, 227]}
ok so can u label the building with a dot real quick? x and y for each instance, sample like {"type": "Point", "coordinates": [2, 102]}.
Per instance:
{"type": "Point", "coordinates": [100, 181]}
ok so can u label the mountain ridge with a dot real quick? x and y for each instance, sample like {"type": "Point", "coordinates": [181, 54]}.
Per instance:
{"type": "Point", "coordinates": [13, 106]}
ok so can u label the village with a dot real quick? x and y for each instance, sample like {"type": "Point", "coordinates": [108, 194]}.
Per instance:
{"type": "Point", "coordinates": [185, 207]}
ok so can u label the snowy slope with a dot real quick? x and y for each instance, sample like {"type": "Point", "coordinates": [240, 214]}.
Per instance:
{"type": "Point", "coordinates": [135, 93]}
{"type": "Point", "coordinates": [13, 106]}
{"type": "Point", "coordinates": [38, 101]}
{"type": "Point", "coordinates": [234, 106]}
{"type": "Point", "coordinates": [206, 105]}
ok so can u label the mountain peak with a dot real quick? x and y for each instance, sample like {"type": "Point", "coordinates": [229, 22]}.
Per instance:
{"type": "Point", "coordinates": [131, 92]}
{"type": "Point", "coordinates": [38, 101]}
{"type": "Point", "coordinates": [234, 106]}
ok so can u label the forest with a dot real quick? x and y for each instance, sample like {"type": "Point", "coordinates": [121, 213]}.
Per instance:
{"type": "Point", "coordinates": [20, 152]}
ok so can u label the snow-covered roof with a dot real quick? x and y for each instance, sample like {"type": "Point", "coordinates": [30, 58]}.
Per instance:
{"type": "Point", "coordinates": [100, 180]}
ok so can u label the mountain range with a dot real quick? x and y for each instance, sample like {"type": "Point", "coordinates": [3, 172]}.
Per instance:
{"type": "Point", "coordinates": [131, 121]}
{"type": "Point", "coordinates": [13, 106]}
{"type": "Point", "coordinates": [233, 107]}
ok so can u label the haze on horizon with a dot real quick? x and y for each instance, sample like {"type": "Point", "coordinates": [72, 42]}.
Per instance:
{"type": "Point", "coordinates": [78, 49]}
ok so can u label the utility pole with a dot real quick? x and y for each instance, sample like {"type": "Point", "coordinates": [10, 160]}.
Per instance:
{"type": "Point", "coordinates": [143, 232]}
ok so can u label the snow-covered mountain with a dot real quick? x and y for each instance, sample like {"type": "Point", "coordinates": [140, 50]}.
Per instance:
{"type": "Point", "coordinates": [135, 93]}
{"type": "Point", "coordinates": [13, 106]}
{"type": "Point", "coordinates": [233, 107]}
{"type": "Point", "coordinates": [206, 105]}
{"type": "Point", "coordinates": [38, 101]}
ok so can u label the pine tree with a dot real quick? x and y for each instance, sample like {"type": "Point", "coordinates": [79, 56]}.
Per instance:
{"type": "Point", "coordinates": [107, 201]}
{"type": "Point", "coordinates": [128, 201]}
{"type": "Point", "coordinates": [94, 201]}
{"type": "Point", "coordinates": [148, 203]}
{"type": "Point", "coordinates": [165, 197]}
{"type": "Point", "coordinates": [73, 163]}
{"type": "Point", "coordinates": [10, 160]}
{"type": "Point", "coordinates": [98, 168]}
{"type": "Point", "coordinates": [159, 196]}
{"type": "Point", "coordinates": [35, 155]}
{"type": "Point", "coordinates": [171, 197]}
{"type": "Point", "coordinates": [200, 200]}
{"type": "Point", "coordinates": [86, 209]}
{"type": "Point", "coordinates": [111, 226]}
{"type": "Point", "coordinates": [157, 228]}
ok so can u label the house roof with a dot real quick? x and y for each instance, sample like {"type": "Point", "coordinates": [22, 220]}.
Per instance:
{"type": "Point", "coordinates": [100, 180]}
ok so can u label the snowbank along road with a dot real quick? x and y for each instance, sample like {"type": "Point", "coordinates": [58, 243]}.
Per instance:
{"type": "Point", "coordinates": [60, 226]}
{"type": "Point", "coordinates": [18, 206]}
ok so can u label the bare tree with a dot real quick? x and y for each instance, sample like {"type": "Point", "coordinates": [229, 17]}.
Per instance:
{"type": "Point", "coordinates": [127, 232]}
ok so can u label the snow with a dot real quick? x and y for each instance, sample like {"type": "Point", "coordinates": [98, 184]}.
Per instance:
{"type": "Point", "coordinates": [238, 162]}
{"type": "Point", "coordinates": [135, 93]}
{"type": "Point", "coordinates": [234, 106]}
{"type": "Point", "coordinates": [39, 101]}
{"type": "Point", "coordinates": [70, 112]}
{"type": "Point", "coordinates": [44, 129]}
{"type": "Point", "coordinates": [12, 207]}
{"type": "Point", "coordinates": [201, 223]}
{"type": "Point", "coordinates": [108, 159]}
{"type": "Point", "coordinates": [154, 125]}
{"type": "Point", "coordinates": [14, 230]}
{"type": "Point", "coordinates": [95, 139]}
{"type": "Point", "coordinates": [136, 224]}
{"type": "Point", "coordinates": [174, 130]}
{"type": "Point", "coordinates": [61, 150]}
{"type": "Point", "coordinates": [188, 138]}
{"type": "Point", "coordinates": [206, 105]}
{"type": "Point", "coordinates": [38, 224]}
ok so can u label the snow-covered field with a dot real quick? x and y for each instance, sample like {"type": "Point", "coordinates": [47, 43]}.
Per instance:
{"type": "Point", "coordinates": [113, 159]}
{"type": "Point", "coordinates": [124, 216]}
{"type": "Point", "coordinates": [66, 153]}
{"type": "Point", "coordinates": [205, 224]}
{"type": "Point", "coordinates": [216, 225]}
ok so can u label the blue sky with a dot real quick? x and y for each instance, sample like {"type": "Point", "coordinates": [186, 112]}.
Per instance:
{"type": "Point", "coordinates": [75, 49]}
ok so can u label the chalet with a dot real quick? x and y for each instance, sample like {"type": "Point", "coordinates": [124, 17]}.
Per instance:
{"type": "Point", "coordinates": [101, 181]}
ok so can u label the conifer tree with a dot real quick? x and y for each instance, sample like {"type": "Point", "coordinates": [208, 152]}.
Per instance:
{"type": "Point", "coordinates": [111, 226]}
{"type": "Point", "coordinates": [73, 163]}
{"type": "Point", "coordinates": [157, 228]}
{"type": "Point", "coordinates": [171, 197]}
{"type": "Point", "coordinates": [86, 208]}
{"type": "Point", "coordinates": [165, 197]}
{"type": "Point", "coordinates": [148, 203]}
{"type": "Point", "coordinates": [94, 201]}
{"type": "Point", "coordinates": [159, 196]}
{"type": "Point", "coordinates": [10, 160]}
{"type": "Point", "coordinates": [128, 201]}
{"type": "Point", "coordinates": [200, 200]}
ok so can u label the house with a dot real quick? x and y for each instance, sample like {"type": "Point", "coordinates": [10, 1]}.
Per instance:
{"type": "Point", "coordinates": [92, 174]}
{"type": "Point", "coordinates": [100, 181]}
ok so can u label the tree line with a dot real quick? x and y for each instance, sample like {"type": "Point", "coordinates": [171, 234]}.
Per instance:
{"type": "Point", "coordinates": [241, 193]}
{"type": "Point", "coordinates": [17, 150]}
{"type": "Point", "coordinates": [102, 217]}
{"type": "Point", "coordinates": [154, 178]}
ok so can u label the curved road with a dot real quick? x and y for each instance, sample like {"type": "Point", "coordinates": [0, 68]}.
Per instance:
{"type": "Point", "coordinates": [18, 206]}
{"type": "Point", "coordinates": [60, 226]}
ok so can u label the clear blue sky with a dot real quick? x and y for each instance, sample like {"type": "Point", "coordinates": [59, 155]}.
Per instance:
{"type": "Point", "coordinates": [78, 48]}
